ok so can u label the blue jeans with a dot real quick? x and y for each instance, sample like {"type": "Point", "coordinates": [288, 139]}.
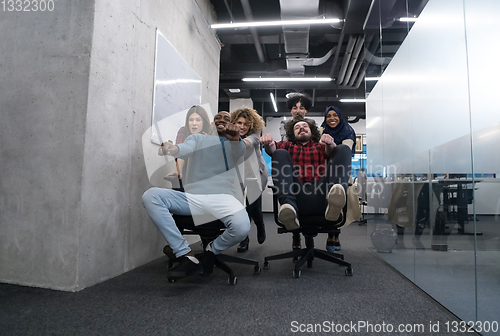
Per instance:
{"type": "Point", "coordinates": [161, 203]}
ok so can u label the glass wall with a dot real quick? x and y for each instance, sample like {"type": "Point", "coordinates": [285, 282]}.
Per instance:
{"type": "Point", "coordinates": [433, 122]}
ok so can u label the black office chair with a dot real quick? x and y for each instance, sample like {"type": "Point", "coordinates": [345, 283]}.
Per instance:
{"type": "Point", "coordinates": [310, 227]}
{"type": "Point", "coordinates": [361, 180]}
{"type": "Point", "coordinates": [208, 232]}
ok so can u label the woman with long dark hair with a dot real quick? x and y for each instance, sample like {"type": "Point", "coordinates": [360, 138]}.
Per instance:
{"type": "Point", "coordinates": [197, 121]}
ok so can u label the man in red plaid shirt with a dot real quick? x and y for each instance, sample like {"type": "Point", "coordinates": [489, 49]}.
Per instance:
{"type": "Point", "coordinates": [299, 172]}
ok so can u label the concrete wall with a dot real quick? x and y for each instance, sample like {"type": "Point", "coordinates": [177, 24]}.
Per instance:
{"type": "Point", "coordinates": [76, 96]}
{"type": "Point", "coordinates": [44, 71]}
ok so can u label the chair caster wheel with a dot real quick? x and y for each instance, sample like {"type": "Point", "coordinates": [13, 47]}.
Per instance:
{"type": "Point", "coordinates": [266, 265]}
{"type": "Point", "coordinates": [232, 280]}
{"type": "Point", "coordinates": [296, 274]}
{"type": "Point", "coordinates": [257, 270]}
{"type": "Point", "coordinates": [171, 280]}
{"type": "Point", "coordinates": [348, 271]}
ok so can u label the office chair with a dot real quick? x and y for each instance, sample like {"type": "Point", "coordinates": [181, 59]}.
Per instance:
{"type": "Point", "coordinates": [207, 233]}
{"type": "Point", "coordinates": [361, 179]}
{"type": "Point", "coordinates": [310, 227]}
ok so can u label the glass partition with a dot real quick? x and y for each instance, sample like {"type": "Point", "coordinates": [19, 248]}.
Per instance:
{"type": "Point", "coordinates": [432, 121]}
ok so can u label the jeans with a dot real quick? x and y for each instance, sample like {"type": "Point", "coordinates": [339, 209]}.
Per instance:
{"type": "Point", "coordinates": [161, 203]}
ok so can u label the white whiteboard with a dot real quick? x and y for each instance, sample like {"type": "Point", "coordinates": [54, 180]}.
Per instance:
{"type": "Point", "coordinates": [177, 87]}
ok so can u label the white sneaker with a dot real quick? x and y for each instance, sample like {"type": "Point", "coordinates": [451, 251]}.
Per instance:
{"type": "Point", "coordinates": [288, 217]}
{"type": "Point", "coordinates": [336, 201]}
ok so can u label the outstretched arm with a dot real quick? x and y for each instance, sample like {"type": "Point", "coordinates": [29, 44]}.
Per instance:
{"type": "Point", "coordinates": [269, 144]}
{"type": "Point", "coordinates": [327, 141]}
{"type": "Point", "coordinates": [232, 132]}
{"type": "Point", "coordinates": [168, 148]}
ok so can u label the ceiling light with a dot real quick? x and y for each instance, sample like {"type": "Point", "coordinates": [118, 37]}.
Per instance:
{"type": "Point", "coordinates": [352, 100]}
{"type": "Point", "coordinates": [292, 94]}
{"type": "Point", "coordinates": [288, 79]}
{"type": "Point", "coordinates": [274, 102]}
{"type": "Point", "coordinates": [372, 78]}
{"type": "Point", "coordinates": [408, 19]}
{"type": "Point", "coordinates": [274, 23]}
{"type": "Point", "coordinates": [234, 90]}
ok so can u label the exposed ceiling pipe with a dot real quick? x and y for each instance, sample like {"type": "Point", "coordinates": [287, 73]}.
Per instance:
{"type": "Point", "coordinates": [370, 58]}
{"type": "Point", "coordinates": [356, 69]}
{"type": "Point", "coordinates": [360, 77]}
{"type": "Point", "coordinates": [353, 121]}
{"type": "Point", "coordinates": [353, 60]}
{"type": "Point", "coordinates": [229, 11]}
{"type": "Point", "coordinates": [248, 14]}
{"type": "Point", "coordinates": [320, 60]}
{"type": "Point", "coordinates": [337, 52]}
{"type": "Point", "coordinates": [347, 58]}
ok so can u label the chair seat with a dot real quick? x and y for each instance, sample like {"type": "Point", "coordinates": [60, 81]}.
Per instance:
{"type": "Point", "coordinates": [208, 232]}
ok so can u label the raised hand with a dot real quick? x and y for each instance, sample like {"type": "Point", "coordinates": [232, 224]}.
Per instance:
{"type": "Point", "coordinates": [266, 139]}
{"type": "Point", "coordinates": [168, 148]}
{"type": "Point", "coordinates": [326, 140]}
{"type": "Point", "coordinates": [232, 132]}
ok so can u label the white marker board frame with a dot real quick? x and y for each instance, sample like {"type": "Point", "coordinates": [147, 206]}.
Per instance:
{"type": "Point", "coordinates": [177, 87]}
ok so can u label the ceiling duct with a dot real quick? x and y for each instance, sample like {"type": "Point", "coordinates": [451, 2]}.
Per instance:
{"type": "Point", "coordinates": [253, 31]}
{"type": "Point", "coordinates": [296, 38]}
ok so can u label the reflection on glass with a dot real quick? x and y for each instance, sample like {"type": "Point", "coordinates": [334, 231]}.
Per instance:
{"type": "Point", "coordinates": [433, 123]}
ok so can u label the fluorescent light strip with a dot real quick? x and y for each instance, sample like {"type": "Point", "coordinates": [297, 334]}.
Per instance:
{"type": "Point", "coordinates": [408, 19]}
{"type": "Point", "coordinates": [285, 79]}
{"type": "Point", "coordinates": [274, 23]}
{"type": "Point", "coordinates": [274, 102]}
{"type": "Point", "coordinates": [372, 78]}
{"type": "Point", "coordinates": [352, 100]}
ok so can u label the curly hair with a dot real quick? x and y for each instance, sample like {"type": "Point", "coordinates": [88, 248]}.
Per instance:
{"type": "Point", "coordinates": [304, 99]}
{"type": "Point", "coordinates": [312, 125]}
{"type": "Point", "coordinates": [207, 127]}
{"type": "Point", "coordinates": [254, 120]}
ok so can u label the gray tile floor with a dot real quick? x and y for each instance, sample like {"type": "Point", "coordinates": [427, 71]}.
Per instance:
{"type": "Point", "coordinates": [464, 279]}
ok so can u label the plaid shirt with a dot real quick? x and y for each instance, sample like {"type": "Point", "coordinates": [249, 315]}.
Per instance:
{"type": "Point", "coordinates": [308, 159]}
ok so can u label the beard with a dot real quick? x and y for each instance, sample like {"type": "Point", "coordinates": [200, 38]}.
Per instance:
{"type": "Point", "coordinates": [303, 137]}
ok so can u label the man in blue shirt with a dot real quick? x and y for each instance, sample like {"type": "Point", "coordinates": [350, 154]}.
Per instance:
{"type": "Point", "coordinates": [209, 193]}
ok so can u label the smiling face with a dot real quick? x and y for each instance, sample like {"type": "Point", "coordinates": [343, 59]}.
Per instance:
{"type": "Point", "coordinates": [332, 119]}
{"type": "Point", "coordinates": [195, 123]}
{"type": "Point", "coordinates": [298, 110]}
{"type": "Point", "coordinates": [302, 132]}
{"type": "Point", "coordinates": [221, 120]}
{"type": "Point", "coordinates": [242, 122]}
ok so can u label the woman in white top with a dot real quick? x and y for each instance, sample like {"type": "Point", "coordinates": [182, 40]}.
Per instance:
{"type": "Point", "coordinates": [251, 125]}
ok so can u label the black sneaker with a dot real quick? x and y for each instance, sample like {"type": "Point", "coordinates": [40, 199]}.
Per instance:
{"type": "Point", "coordinates": [261, 233]}
{"type": "Point", "coordinates": [185, 268]}
{"type": "Point", "coordinates": [208, 262]}
{"type": "Point", "coordinates": [243, 247]}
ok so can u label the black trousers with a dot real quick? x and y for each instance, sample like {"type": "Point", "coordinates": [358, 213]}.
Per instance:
{"type": "Point", "coordinates": [310, 198]}
{"type": "Point", "coordinates": [254, 211]}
